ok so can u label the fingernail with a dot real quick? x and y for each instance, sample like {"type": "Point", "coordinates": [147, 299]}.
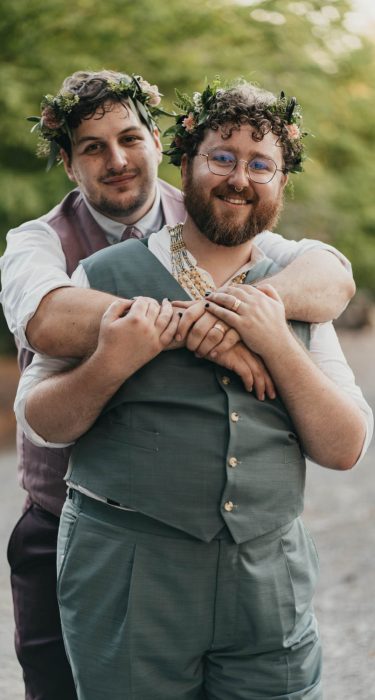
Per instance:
{"type": "Point", "coordinates": [213, 354]}
{"type": "Point", "coordinates": [178, 337]}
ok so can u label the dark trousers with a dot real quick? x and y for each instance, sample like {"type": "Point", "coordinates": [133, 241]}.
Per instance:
{"type": "Point", "coordinates": [38, 638]}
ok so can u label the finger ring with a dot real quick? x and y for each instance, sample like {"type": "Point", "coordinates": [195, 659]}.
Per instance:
{"type": "Point", "coordinates": [219, 327]}
{"type": "Point", "coordinates": [236, 305]}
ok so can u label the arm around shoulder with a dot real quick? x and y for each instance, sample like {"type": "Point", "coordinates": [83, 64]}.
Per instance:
{"type": "Point", "coordinates": [316, 282]}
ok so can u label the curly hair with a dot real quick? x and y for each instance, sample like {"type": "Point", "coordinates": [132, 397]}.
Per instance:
{"type": "Point", "coordinates": [228, 109]}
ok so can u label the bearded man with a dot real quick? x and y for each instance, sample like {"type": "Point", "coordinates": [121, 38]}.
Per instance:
{"type": "Point", "coordinates": [185, 570]}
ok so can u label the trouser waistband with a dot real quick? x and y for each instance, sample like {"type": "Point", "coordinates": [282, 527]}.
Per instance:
{"type": "Point", "coordinates": [133, 520]}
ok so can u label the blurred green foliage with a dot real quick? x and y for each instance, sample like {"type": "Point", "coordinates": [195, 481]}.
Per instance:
{"type": "Point", "coordinates": [303, 48]}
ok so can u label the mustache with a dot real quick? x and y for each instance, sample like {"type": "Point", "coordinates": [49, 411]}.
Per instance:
{"type": "Point", "coordinates": [118, 173]}
{"type": "Point", "coordinates": [246, 195]}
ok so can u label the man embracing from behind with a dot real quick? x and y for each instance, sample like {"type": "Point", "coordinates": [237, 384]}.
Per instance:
{"type": "Point", "coordinates": [185, 570]}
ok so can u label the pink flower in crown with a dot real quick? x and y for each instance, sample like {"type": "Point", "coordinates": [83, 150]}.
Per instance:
{"type": "Point", "coordinates": [152, 91]}
{"type": "Point", "coordinates": [293, 131]}
{"type": "Point", "coordinates": [189, 122]}
{"type": "Point", "coordinates": [50, 120]}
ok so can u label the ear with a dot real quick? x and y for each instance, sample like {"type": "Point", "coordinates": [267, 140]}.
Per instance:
{"type": "Point", "coordinates": [158, 144]}
{"type": "Point", "coordinates": [284, 180]}
{"type": "Point", "coordinates": [67, 165]}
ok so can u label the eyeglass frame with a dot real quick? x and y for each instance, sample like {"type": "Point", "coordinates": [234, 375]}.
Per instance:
{"type": "Point", "coordinates": [241, 160]}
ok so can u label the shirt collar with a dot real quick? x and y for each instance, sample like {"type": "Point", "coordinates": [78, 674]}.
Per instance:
{"type": "Point", "coordinates": [150, 222]}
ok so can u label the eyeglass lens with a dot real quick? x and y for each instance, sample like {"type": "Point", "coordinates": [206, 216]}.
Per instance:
{"type": "Point", "coordinates": [259, 169]}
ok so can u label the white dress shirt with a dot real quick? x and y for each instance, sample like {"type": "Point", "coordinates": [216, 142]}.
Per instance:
{"type": "Point", "coordinates": [325, 350]}
{"type": "Point", "coordinates": [34, 263]}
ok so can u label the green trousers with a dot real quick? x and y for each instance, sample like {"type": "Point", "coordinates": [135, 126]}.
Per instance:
{"type": "Point", "coordinates": [149, 613]}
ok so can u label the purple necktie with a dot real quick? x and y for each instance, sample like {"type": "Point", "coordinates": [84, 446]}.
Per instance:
{"type": "Point", "coordinates": [131, 232]}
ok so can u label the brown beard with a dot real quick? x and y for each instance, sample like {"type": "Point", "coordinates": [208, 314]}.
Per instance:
{"type": "Point", "coordinates": [226, 231]}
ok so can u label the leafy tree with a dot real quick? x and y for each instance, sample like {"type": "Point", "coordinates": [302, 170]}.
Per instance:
{"type": "Point", "coordinates": [301, 47]}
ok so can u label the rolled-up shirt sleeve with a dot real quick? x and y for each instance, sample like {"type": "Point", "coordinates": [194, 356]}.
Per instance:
{"type": "Point", "coordinates": [39, 369]}
{"type": "Point", "coordinates": [283, 251]}
{"type": "Point", "coordinates": [327, 354]}
{"type": "Point", "coordinates": [32, 266]}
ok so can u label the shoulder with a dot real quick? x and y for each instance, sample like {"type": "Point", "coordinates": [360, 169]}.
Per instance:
{"type": "Point", "coordinates": [112, 254]}
{"type": "Point", "coordinates": [67, 207]}
{"type": "Point", "coordinates": [169, 191]}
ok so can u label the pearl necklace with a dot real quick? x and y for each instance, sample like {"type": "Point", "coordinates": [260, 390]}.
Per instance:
{"type": "Point", "coordinates": [195, 282]}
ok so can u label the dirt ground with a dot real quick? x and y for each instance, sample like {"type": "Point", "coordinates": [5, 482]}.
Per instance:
{"type": "Point", "coordinates": [340, 510]}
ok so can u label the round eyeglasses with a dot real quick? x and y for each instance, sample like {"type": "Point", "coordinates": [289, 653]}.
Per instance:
{"type": "Point", "coordinates": [258, 169]}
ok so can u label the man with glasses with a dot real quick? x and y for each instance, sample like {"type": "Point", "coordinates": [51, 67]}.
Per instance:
{"type": "Point", "coordinates": [184, 568]}
{"type": "Point", "coordinates": [102, 127]}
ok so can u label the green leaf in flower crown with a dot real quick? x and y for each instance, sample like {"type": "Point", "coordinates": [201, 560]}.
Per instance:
{"type": "Point", "coordinates": [170, 130]}
{"type": "Point", "coordinates": [33, 119]}
{"type": "Point", "coordinates": [35, 127]}
{"type": "Point", "coordinates": [143, 112]}
{"type": "Point", "coordinates": [54, 152]}
{"type": "Point", "coordinates": [53, 155]}
{"type": "Point", "coordinates": [158, 111]}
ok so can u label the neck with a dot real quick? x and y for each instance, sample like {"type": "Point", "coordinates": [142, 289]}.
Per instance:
{"type": "Point", "coordinates": [220, 261]}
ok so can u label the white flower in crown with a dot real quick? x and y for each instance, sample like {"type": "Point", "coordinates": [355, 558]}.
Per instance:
{"type": "Point", "coordinates": [197, 99]}
{"type": "Point", "coordinates": [152, 91]}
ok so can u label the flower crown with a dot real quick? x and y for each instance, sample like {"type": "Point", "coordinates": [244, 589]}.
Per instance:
{"type": "Point", "coordinates": [57, 111]}
{"type": "Point", "coordinates": [202, 110]}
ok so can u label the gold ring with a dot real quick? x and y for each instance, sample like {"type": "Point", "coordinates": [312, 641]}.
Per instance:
{"type": "Point", "coordinates": [219, 327]}
{"type": "Point", "coordinates": [236, 305]}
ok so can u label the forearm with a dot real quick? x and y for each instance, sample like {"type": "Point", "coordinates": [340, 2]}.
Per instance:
{"type": "Point", "coordinates": [314, 287]}
{"type": "Point", "coordinates": [64, 406]}
{"type": "Point", "coordinates": [329, 424]}
{"type": "Point", "coordinates": [67, 322]}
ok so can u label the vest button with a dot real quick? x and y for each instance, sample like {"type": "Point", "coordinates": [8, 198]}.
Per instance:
{"type": "Point", "coordinates": [225, 380]}
{"type": "Point", "coordinates": [228, 506]}
{"type": "Point", "coordinates": [234, 417]}
{"type": "Point", "coordinates": [233, 461]}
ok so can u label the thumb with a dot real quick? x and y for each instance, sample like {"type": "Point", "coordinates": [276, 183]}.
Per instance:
{"type": "Point", "coordinates": [117, 309]}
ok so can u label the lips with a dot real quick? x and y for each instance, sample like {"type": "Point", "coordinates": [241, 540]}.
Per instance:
{"type": "Point", "coordinates": [238, 201]}
{"type": "Point", "coordinates": [118, 179]}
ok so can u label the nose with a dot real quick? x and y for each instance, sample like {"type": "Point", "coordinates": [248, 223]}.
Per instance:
{"type": "Point", "coordinates": [238, 177]}
{"type": "Point", "coordinates": [117, 158]}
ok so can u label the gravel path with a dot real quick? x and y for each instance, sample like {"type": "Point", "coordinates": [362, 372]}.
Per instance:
{"type": "Point", "coordinates": [340, 510]}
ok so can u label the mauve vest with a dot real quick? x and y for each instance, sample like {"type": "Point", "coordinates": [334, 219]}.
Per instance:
{"type": "Point", "coordinates": [42, 469]}
{"type": "Point", "coordinates": [182, 441]}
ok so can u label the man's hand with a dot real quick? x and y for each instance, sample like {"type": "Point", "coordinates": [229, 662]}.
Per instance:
{"type": "Point", "coordinates": [199, 330]}
{"type": "Point", "coordinates": [257, 315]}
{"type": "Point", "coordinates": [127, 342]}
{"type": "Point", "coordinates": [250, 368]}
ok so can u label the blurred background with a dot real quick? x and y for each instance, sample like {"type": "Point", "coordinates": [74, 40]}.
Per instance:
{"type": "Point", "coordinates": [323, 53]}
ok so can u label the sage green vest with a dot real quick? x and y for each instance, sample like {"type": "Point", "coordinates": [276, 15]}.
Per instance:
{"type": "Point", "coordinates": [182, 441]}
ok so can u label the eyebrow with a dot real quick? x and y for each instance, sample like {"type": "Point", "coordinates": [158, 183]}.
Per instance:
{"type": "Point", "coordinates": [255, 154]}
{"type": "Point", "coordinates": [128, 129]}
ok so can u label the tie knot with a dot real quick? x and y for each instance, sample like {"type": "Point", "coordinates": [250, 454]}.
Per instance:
{"type": "Point", "coordinates": [131, 232]}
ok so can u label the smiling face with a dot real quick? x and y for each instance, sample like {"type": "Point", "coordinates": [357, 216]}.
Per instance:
{"type": "Point", "coordinates": [114, 162]}
{"type": "Point", "coordinates": [231, 209]}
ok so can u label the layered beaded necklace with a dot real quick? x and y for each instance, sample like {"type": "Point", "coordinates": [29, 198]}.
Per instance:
{"type": "Point", "coordinates": [195, 282]}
